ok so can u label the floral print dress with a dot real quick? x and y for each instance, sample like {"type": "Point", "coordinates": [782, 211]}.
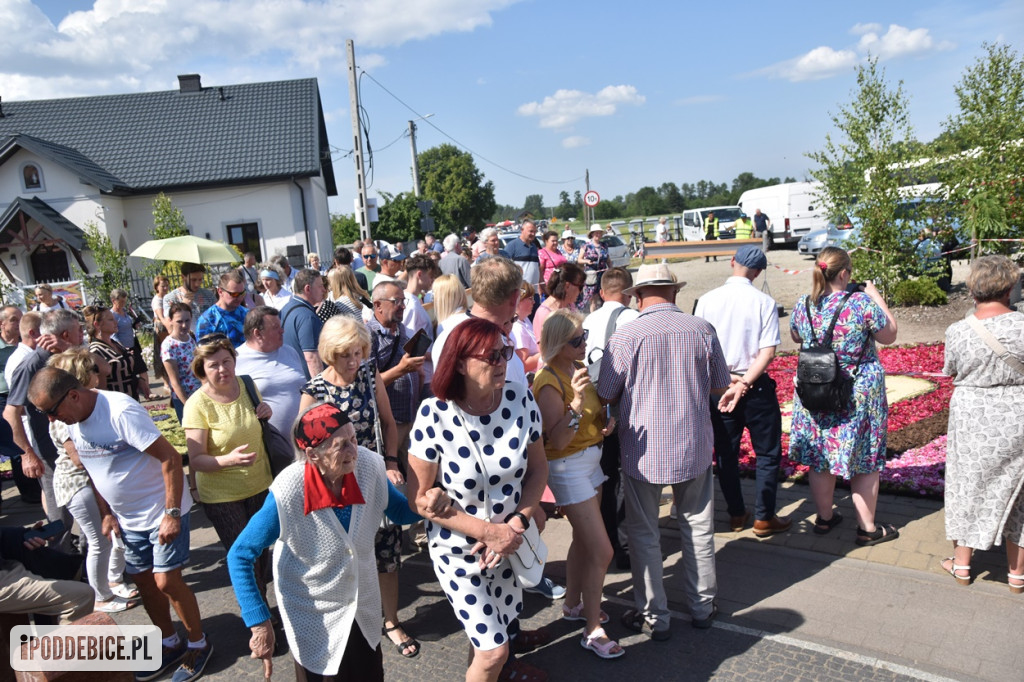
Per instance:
{"type": "Point", "coordinates": [598, 257]}
{"type": "Point", "coordinates": [355, 400]}
{"type": "Point", "coordinates": [851, 442]}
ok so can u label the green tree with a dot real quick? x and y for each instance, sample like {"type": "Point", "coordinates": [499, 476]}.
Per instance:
{"type": "Point", "coordinates": [645, 202]}
{"type": "Point", "coordinates": [856, 170]}
{"type": "Point", "coordinates": [168, 221]}
{"type": "Point", "coordinates": [671, 197]}
{"type": "Point", "coordinates": [982, 148]}
{"type": "Point", "coordinates": [534, 205]}
{"type": "Point", "coordinates": [344, 228]}
{"type": "Point", "coordinates": [461, 196]}
{"type": "Point", "coordinates": [111, 265]}
{"type": "Point", "coordinates": [565, 209]}
{"type": "Point", "coordinates": [399, 218]}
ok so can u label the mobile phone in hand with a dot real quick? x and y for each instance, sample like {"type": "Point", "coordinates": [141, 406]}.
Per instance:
{"type": "Point", "coordinates": [418, 345]}
{"type": "Point", "coordinates": [52, 529]}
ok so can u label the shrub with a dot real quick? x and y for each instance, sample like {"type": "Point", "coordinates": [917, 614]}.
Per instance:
{"type": "Point", "coordinates": [920, 291]}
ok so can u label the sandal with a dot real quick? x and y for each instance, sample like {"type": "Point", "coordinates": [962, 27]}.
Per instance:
{"type": "Point", "coordinates": [410, 643]}
{"type": "Point", "coordinates": [1016, 589]}
{"type": "Point", "coordinates": [823, 527]}
{"type": "Point", "coordinates": [953, 568]}
{"type": "Point", "coordinates": [516, 670]}
{"type": "Point", "coordinates": [576, 613]}
{"type": "Point", "coordinates": [884, 532]}
{"type": "Point", "coordinates": [606, 650]}
{"type": "Point", "coordinates": [528, 640]}
{"type": "Point", "coordinates": [115, 605]}
{"type": "Point", "coordinates": [124, 591]}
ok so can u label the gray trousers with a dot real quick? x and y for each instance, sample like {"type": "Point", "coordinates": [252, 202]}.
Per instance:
{"type": "Point", "coordinates": [695, 511]}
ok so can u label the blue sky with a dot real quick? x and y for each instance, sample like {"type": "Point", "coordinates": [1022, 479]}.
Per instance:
{"type": "Point", "coordinates": [638, 93]}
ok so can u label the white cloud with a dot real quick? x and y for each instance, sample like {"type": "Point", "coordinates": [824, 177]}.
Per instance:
{"type": "Point", "coordinates": [574, 141]}
{"type": "Point", "coordinates": [147, 42]}
{"type": "Point", "coordinates": [699, 99]}
{"type": "Point", "coordinates": [825, 61]}
{"type": "Point", "coordinates": [566, 107]}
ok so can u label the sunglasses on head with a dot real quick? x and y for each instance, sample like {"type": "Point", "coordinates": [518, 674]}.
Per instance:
{"type": "Point", "coordinates": [578, 341]}
{"type": "Point", "coordinates": [212, 338]}
{"type": "Point", "coordinates": [496, 355]}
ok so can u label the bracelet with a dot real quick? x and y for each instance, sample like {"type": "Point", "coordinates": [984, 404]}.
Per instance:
{"type": "Point", "coordinates": [390, 458]}
{"type": "Point", "coordinates": [522, 517]}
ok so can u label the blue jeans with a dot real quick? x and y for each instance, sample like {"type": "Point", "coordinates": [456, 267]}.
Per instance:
{"type": "Point", "coordinates": [179, 407]}
{"type": "Point", "coordinates": [758, 411]}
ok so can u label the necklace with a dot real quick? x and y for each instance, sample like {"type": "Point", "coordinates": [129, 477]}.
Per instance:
{"type": "Point", "coordinates": [495, 397]}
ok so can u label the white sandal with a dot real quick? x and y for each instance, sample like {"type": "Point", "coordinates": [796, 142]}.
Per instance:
{"type": "Point", "coordinates": [1016, 589]}
{"type": "Point", "coordinates": [961, 580]}
{"type": "Point", "coordinates": [603, 650]}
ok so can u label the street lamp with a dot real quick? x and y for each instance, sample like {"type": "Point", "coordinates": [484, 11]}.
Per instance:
{"type": "Point", "coordinates": [415, 164]}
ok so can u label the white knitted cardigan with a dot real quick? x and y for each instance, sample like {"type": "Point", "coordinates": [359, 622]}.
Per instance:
{"type": "Point", "coordinates": [325, 577]}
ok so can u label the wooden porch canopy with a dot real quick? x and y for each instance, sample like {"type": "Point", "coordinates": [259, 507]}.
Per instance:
{"type": "Point", "coordinates": [50, 228]}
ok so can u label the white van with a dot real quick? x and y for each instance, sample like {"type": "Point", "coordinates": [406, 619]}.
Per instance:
{"type": "Point", "coordinates": [793, 208]}
{"type": "Point", "coordinates": [693, 221]}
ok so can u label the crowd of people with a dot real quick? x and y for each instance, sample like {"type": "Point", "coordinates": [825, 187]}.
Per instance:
{"type": "Point", "coordinates": [421, 415]}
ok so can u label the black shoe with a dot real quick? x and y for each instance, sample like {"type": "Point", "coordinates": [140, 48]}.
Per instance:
{"type": "Point", "coordinates": [705, 623]}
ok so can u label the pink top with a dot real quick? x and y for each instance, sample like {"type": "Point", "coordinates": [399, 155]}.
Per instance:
{"type": "Point", "coordinates": [548, 262]}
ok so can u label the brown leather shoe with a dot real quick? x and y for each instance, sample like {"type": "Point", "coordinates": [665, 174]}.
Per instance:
{"type": "Point", "coordinates": [778, 524]}
{"type": "Point", "coordinates": [738, 523]}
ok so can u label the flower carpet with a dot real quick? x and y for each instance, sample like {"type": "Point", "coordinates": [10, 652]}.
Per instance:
{"type": "Point", "coordinates": [918, 396]}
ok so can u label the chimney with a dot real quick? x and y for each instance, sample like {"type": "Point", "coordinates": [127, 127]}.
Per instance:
{"type": "Point", "coordinates": [1, 107]}
{"type": "Point", "coordinates": [189, 82]}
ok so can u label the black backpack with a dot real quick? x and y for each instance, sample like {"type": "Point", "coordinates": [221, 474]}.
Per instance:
{"type": "Point", "coordinates": [821, 385]}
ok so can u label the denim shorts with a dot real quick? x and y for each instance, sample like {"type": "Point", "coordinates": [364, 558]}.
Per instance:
{"type": "Point", "coordinates": [576, 478]}
{"type": "Point", "coordinates": [143, 551]}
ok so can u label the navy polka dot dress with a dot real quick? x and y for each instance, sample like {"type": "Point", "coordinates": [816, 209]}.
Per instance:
{"type": "Point", "coordinates": [484, 600]}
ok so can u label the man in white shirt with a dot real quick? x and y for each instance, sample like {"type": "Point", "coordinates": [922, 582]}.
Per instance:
{"type": "Point", "coordinates": [600, 325]}
{"type": "Point", "coordinates": [390, 265]}
{"type": "Point", "coordinates": [747, 323]}
{"type": "Point", "coordinates": [419, 270]}
{"type": "Point", "coordinates": [276, 369]}
{"type": "Point", "coordinates": [138, 474]}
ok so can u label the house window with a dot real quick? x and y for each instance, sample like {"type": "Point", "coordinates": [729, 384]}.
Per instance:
{"type": "Point", "coordinates": [31, 177]}
{"type": "Point", "coordinates": [246, 236]}
{"type": "Point", "coordinates": [50, 264]}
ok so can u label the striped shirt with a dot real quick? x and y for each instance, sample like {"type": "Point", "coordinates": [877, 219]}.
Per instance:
{"type": "Point", "coordinates": [662, 368]}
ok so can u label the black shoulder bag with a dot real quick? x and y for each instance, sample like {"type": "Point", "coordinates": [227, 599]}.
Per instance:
{"type": "Point", "coordinates": [279, 449]}
{"type": "Point", "coordinates": [821, 385]}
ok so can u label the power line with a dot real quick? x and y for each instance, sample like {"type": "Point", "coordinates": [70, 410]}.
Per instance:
{"type": "Point", "coordinates": [479, 156]}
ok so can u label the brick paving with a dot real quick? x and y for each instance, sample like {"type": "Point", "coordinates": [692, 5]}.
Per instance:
{"type": "Point", "coordinates": [795, 606]}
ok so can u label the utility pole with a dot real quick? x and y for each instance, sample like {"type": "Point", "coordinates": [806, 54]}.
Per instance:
{"type": "Point", "coordinates": [587, 211]}
{"type": "Point", "coordinates": [357, 143]}
{"type": "Point", "coordinates": [415, 163]}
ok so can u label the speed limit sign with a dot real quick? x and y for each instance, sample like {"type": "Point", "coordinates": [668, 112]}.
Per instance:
{"type": "Point", "coordinates": [591, 198]}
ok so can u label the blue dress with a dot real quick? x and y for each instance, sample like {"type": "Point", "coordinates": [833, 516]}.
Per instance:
{"type": "Point", "coordinates": [850, 442]}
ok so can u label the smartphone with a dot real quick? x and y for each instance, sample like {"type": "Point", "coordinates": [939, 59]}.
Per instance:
{"type": "Point", "coordinates": [418, 345]}
{"type": "Point", "coordinates": [854, 287]}
{"type": "Point", "coordinates": [52, 529]}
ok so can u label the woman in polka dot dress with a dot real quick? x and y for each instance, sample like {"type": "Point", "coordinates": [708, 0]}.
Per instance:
{"type": "Point", "coordinates": [477, 423]}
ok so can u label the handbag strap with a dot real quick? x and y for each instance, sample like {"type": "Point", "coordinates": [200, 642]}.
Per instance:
{"type": "Point", "coordinates": [826, 340]}
{"type": "Point", "coordinates": [371, 379]}
{"type": "Point", "coordinates": [992, 342]}
{"type": "Point", "coordinates": [250, 389]}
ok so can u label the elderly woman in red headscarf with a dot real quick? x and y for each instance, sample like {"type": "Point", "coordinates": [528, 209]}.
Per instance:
{"type": "Point", "coordinates": [323, 512]}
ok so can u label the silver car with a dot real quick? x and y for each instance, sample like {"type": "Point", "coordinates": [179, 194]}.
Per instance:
{"type": "Point", "coordinates": [813, 242]}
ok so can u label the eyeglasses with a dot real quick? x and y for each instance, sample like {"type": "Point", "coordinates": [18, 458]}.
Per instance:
{"type": "Point", "coordinates": [398, 302]}
{"type": "Point", "coordinates": [232, 294]}
{"type": "Point", "coordinates": [370, 257]}
{"type": "Point", "coordinates": [212, 338]}
{"type": "Point", "coordinates": [578, 341]}
{"type": "Point", "coordinates": [52, 412]}
{"type": "Point", "coordinates": [496, 356]}
{"type": "Point", "coordinates": [95, 369]}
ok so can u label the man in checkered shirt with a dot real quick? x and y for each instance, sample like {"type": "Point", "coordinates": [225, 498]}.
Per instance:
{"type": "Point", "coordinates": [663, 368]}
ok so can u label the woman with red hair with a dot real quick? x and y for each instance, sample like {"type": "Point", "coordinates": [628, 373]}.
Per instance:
{"type": "Point", "coordinates": [480, 438]}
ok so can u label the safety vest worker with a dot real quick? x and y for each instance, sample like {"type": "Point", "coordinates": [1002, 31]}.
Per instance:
{"type": "Point", "coordinates": [744, 228]}
{"type": "Point", "coordinates": [711, 227]}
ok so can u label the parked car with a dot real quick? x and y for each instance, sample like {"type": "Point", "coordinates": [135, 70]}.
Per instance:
{"type": "Point", "coordinates": [813, 242]}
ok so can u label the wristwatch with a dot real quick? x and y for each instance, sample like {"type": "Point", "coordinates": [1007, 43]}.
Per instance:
{"type": "Point", "coordinates": [574, 419]}
{"type": "Point", "coordinates": [173, 512]}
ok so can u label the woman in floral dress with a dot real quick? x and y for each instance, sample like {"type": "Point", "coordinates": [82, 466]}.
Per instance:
{"type": "Point", "coordinates": [351, 383]}
{"type": "Point", "coordinates": [985, 450]}
{"type": "Point", "coordinates": [594, 259]}
{"type": "Point", "coordinates": [850, 443]}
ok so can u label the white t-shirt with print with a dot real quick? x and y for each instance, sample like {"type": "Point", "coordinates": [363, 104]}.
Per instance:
{"type": "Point", "coordinates": [111, 444]}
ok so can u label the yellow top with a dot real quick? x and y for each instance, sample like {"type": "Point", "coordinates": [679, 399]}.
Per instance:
{"type": "Point", "coordinates": [592, 415]}
{"type": "Point", "coordinates": [229, 425]}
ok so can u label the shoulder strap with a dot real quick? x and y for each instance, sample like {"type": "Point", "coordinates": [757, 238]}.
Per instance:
{"type": "Point", "coordinates": [250, 389]}
{"type": "Point", "coordinates": [610, 328]}
{"type": "Point", "coordinates": [826, 340]}
{"type": "Point", "coordinates": [992, 342]}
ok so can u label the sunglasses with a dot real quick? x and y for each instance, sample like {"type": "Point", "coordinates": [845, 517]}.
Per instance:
{"type": "Point", "coordinates": [398, 302]}
{"type": "Point", "coordinates": [212, 338]}
{"type": "Point", "coordinates": [578, 341]}
{"type": "Point", "coordinates": [369, 258]}
{"type": "Point", "coordinates": [496, 356]}
{"type": "Point", "coordinates": [52, 412]}
{"type": "Point", "coordinates": [232, 294]}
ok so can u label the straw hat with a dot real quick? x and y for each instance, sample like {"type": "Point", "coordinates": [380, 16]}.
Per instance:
{"type": "Point", "coordinates": [653, 275]}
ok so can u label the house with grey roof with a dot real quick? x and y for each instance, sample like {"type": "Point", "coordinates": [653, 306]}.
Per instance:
{"type": "Point", "coordinates": [247, 164]}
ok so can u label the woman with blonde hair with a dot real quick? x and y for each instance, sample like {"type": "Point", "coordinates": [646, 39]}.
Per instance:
{"type": "Point", "coordinates": [851, 442]}
{"type": "Point", "coordinates": [346, 292]}
{"type": "Point", "coordinates": [225, 444]}
{"type": "Point", "coordinates": [73, 490]}
{"type": "Point", "coordinates": [574, 429]}
{"type": "Point", "coordinates": [449, 298]}
{"type": "Point", "coordinates": [352, 384]}
{"type": "Point", "coordinates": [985, 451]}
